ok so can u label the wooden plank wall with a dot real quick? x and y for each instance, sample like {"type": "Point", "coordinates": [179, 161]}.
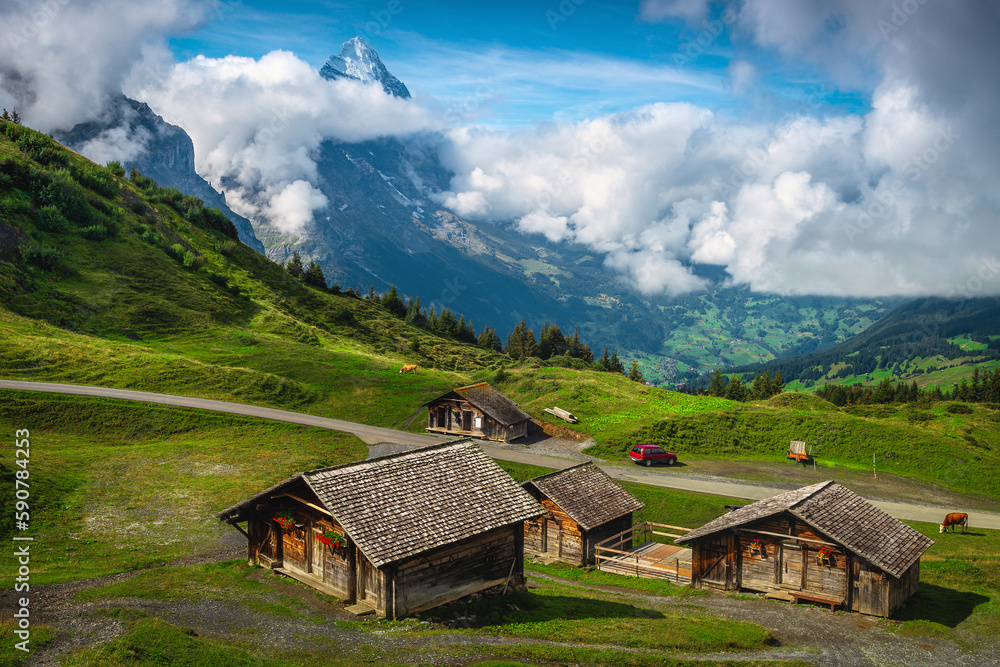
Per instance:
{"type": "Point", "coordinates": [899, 591]}
{"type": "Point", "coordinates": [533, 532]}
{"type": "Point", "coordinates": [708, 562]}
{"type": "Point", "coordinates": [459, 569]}
{"type": "Point", "coordinates": [338, 569]}
{"type": "Point", "coordinates": [454, 424]}
{"type": "Point", "coordinates": [565, 540]}
{"type": "Point", "coordinates": [831, 578]}
{"type": "Point", "coordinates": [757, 572]}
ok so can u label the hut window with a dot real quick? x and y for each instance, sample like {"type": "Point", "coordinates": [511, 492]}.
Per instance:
{"type": "Point", "coordinates": [478, 421]}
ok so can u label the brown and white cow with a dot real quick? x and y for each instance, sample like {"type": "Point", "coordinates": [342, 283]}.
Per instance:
{"type": "Point", "coordinates": [409, 368]}
{"type": "Point", "coordinates": [954, 519]}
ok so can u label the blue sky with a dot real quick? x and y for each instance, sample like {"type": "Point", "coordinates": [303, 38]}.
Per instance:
{"type": "Point", "coordinates": [525, 62]}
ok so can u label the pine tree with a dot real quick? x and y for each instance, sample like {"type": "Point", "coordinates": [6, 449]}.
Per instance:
{"type": "Point", "coordinates": [604, 363]}
{"type": "Point", "coordinates": [447, 324]}
{"type": "Point", "coordinates": [465, 331]}
{"type": "Point", "coordinates": [634, 374]}
{"type": "Point", "coordinates": [615, 364]}
{"type": "Point", "coordinates": [551, 342]}
{"type": "Point", "coordinates": [314, 275]}
{"type": "Point", "coordinates": [521, 342]}
{"type": "Point", "coordinates": [716, 387]}
{"type": "Point", "coordinates": [414, 314]}
{"type": "Point", "coordinates": [294, 265]}
{"type": "Point", "coordinates": [884, 392]}
{"type": "Point", "coordinates": [577, 349]}
{"type": "Point", "coordinates": [974, 386]}
{"type": "Point", "coordinates": [735, 390]}
{"type": "Point", "coordinates": [392, 302]}
{"type": "Point", "coordinates": [489, 340]}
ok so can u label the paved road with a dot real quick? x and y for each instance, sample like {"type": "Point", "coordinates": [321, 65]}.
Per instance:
{"type": "Point", "coordinates": [374, 434]}
{"type": "Point", "coordinates": [369, 434]}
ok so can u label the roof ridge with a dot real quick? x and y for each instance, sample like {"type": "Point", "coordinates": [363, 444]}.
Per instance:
{"type": "Point", "coordinates": [477, 384]}
{"type": "Point", "coordinates": [397, 455]}
{"type": "Point", "coordinates": [562, 470]}
{"type": "Point", "coordinates": [820, 486]}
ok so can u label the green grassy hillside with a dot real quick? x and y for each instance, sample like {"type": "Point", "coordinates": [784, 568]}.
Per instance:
{"type": "Point", "coordinates": [165, 301]}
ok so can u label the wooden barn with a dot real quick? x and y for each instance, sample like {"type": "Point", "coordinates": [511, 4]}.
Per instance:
{"type": "Point", "coordinates": [399, 534]}
{"type": "Point", "coordinates": [584, 506]}
{"type": "Point", "coordinates": [479, 411]}
{"type": "Point", "coordinates": [822, 543]}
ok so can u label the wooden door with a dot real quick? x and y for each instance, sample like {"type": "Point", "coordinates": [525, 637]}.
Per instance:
{"type": "Point", "coordinates": [294, 547]}
{"type": "Point", "coordinates": [790, 565]}
{"type": "Point", "coordinates": [553, 537]}
{"type": "Point", "coordinates": [318, 549]}
{"type": "Point", "coordinates": [869, 592]}
{"type": "Point", "coordinates": [362, 575]}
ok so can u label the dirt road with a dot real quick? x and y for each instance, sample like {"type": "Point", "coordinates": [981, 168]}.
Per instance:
{"type": "Point", "coordinates": [373, 435]}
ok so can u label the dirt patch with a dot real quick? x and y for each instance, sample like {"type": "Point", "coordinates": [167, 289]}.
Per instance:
{"type": "Point", "coordinates": [539, 427]}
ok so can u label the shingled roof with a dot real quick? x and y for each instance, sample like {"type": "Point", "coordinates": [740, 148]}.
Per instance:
{"type": "Point", "coordinates": [841, 515]}
{"type": "Point", "coordinates": [490, 401]}
{"type": "Point", "coordinates": [402, 505]}
{"type": "Point", "coordinates": [587, 494]}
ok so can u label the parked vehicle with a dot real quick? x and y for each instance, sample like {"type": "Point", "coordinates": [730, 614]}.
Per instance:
{"type": "Point", "coordinates": [647, 455]}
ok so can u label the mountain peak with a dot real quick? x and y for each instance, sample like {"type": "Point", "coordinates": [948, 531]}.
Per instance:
{"type": "Point", "coordinates": [359, 61]}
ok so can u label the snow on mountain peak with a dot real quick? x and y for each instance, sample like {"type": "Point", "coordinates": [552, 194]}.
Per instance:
{"type": "Point", "coordinates": [359, 61]}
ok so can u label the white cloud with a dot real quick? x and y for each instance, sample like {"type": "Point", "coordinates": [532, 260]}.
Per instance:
{"type": "Point", "coordinates": [292, 209]}
{"type": "Point", "coordinates": [61, 60]}
{"type": "Point", "coordinates": [116, 143]}
{"type": "Point", "coordinates": [257, 124]}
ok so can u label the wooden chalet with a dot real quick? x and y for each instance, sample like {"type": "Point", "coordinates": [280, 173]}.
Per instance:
{"type": "Point", "coordinates": [584, 506]}
{"type": "Point", "coordinates": [822, 543]}
{"type": "Point", "coordinates": [479, 411]}
{"type": "Point", "coordinates": [407, 532]}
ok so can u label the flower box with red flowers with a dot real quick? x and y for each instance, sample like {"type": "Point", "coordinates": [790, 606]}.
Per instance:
{"type": "Point", "coordinates": [333, 539]}
{"type": "Point", "coordinates": [285, 519]}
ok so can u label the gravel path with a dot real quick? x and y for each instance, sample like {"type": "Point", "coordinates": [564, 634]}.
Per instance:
{"type": "Point", "coordinates": [815, 634]}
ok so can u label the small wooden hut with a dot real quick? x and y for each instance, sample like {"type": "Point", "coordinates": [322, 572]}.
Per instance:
{"type": "Point", "coordinates": [401, 533]}
{"type": "Point", "coordinates": [479, 411]}
{"type": "Point", "coordinates": [822, 543]}
{"type": "Point", "coordinates": [584, 505]}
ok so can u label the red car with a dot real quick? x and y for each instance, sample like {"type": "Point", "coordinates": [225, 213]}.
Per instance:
{"type": "Point", "coordinates": [647, 455]}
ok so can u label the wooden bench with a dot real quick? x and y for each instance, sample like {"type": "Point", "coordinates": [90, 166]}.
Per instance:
{"type": "Point", "coordinates": [816, 597]}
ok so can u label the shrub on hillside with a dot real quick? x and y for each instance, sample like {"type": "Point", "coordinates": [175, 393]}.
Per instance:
{"type": "Point", "coordinates": [62, 192]}
{"type": "Point", "coordinates": [44, 257]}
{"type": "Point", "coordinates": [192, 261]}
{"type": "Point", "coordinates": [99, 180]}
{"type": "Point", "coordinates": [959, 409]}
{"type": "Point", "coordinates": [94, 232]}
{"type": "Point", "coordinates": [50, 219]}
{"type": "Point", "coordinates": [13, 207]}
